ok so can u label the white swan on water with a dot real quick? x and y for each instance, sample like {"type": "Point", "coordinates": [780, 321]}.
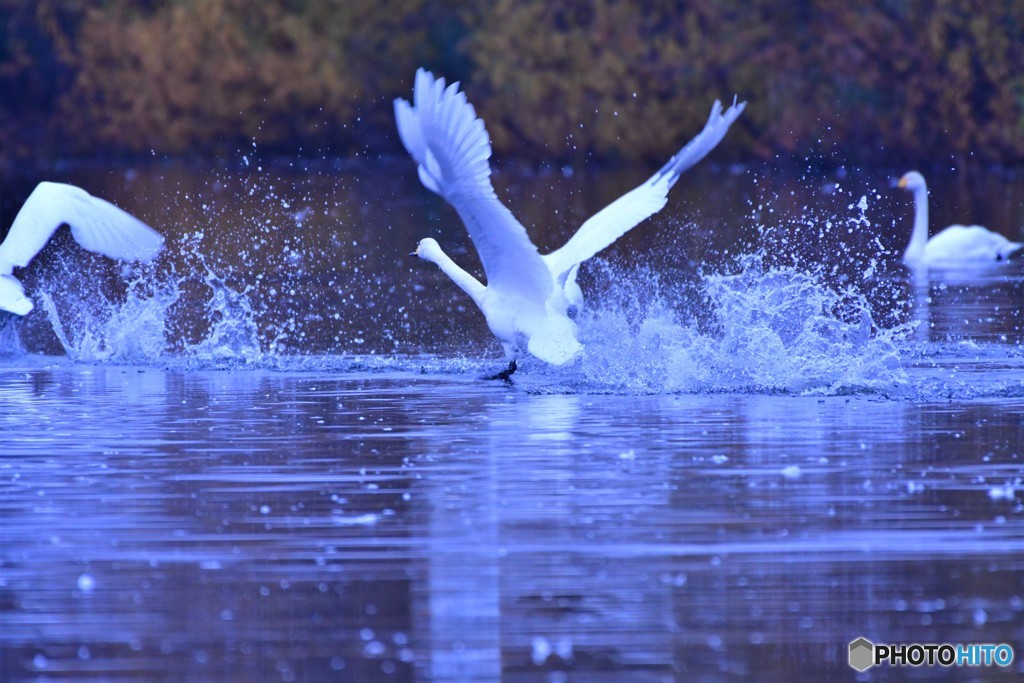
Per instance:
{"type": "Point", "coordinates": [957, 245]}
{"type": "Point", "coordinates": [96, 224]}
{"type": "Point", "coordinates": [528, 297]}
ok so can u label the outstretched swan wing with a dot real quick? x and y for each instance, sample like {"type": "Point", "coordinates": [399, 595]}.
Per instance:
{"type": "Point", "coordinates": [450, 144]}
{"type": "Point", "coordinates": [96, 224]}
{"type": "Point", "coordinates": [613, 221]}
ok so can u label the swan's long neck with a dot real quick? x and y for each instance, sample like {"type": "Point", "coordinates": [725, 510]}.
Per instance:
{"type": "Point", "coordinates": [919, 237]}
{"type": "Point", "coordinates": [466, 282]}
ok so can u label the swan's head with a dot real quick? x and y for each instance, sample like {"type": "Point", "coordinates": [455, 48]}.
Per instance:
{"type": "Point", "coordinates": [912, 181]}
{"type": "Point", "coordinates": [428, 249]}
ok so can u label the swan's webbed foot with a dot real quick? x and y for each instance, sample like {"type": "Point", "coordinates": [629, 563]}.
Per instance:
{"type": "Point", "coordinates": [506, 374]}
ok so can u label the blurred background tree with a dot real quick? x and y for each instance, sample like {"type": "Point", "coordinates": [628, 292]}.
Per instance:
{"type": "Point", "coordinates": [938, 78]}
{"type": "Point", "coordinates": [894, 82]}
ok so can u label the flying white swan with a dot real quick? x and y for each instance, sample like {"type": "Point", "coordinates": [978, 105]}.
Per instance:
{"type": "Point", "coordinates": [957, 245]}
{"type": "Point", "coordinates": [529, 297]}
{"type": "Point", "coordinates": [96, 224]}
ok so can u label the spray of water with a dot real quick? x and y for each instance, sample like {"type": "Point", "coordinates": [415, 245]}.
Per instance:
{"type": "Point", "coordinates": [233, 335]}
{"type": "Point", "coordinates": [147, 323]}
{"type": "Point", "coordinates": [257, 289]}
{"type": "Point", "coordinates": [752, 328]}
{"type": "Point", "coordinates": [10, 342]}
{"type": "Point", "coordinates": [131, 330]}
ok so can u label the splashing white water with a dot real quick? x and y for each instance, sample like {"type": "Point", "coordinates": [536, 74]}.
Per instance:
{"type": "Point", "coordinates": [759, 326]}
{"type": "Point", "coordinates": [754, 328]}
{"type": "Point", "coordinates": [821, 308]}
{"type": "Point", "coordinates": [139, 328]}
{"type": "Point", "coordinates": [761, 329]}
{"type": "Point", "coordinates": [10, 342]}
{"type": "Point", "coordinates": [233, 334]}
{"type": "Point", "coordinates": [131, 331]}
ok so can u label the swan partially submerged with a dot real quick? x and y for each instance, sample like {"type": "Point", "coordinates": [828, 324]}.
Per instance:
{"type": "Point", "coordinates": [96, 224]}
{"type": "Point", "coordinates": [529, 297]}
{"type": "Point", "coordinates": [955, 246]}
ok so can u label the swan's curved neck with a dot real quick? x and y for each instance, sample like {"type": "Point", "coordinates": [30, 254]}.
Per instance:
{"type": "Point", "coordinates": [466, 282]}
{"type": "Point", "coordinates": [919, 237]}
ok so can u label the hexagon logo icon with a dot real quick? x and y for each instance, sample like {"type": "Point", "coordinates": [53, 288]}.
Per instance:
{"type": "Point", "coordinates": [862, 654]}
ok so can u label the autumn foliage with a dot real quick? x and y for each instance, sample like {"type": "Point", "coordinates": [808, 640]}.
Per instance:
{"type": "Point", "coordinates": [892, 81]}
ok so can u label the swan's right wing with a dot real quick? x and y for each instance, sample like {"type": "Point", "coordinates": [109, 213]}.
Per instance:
{"type": "Point", "coordinates": [96, 224]}
{"type": "Point", "coordinates": [451, 148]}
{"type": "Point", "coordinates": [616, 219]}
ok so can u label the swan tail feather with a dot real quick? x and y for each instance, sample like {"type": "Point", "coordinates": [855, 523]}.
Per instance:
{"type": "Point", "coordinates": [556, 343]}
{"type": "Point", "coordinates": [1014, 250]}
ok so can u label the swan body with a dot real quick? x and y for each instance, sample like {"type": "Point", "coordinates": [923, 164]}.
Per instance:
{"type": "Point", "coordinates": [96, 224]}
{"type": "Point", "coordinates": [518, 318]}
{"type": "Point", "coordinates": [529, 298]}
{"type": "Point", "coordinates": [957, 245]}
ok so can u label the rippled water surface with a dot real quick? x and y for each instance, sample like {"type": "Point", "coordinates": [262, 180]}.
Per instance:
{"type": "Point", "coordinates": [269, 456]}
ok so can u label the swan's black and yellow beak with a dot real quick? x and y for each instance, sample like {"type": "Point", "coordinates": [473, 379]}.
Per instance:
{"type": "Point", "coordinates": [413, 253]}
{"type": "Point", "coordinates": [902, 184]}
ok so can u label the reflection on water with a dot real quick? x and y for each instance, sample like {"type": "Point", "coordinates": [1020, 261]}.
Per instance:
{"type": "Point", "coordinates": [270, 458]}
{"type": "Point", "coordinates": [280, 526]}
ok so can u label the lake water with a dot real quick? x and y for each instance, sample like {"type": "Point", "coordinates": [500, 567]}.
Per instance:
{"type": "Point", "coordinates": [269, 456]}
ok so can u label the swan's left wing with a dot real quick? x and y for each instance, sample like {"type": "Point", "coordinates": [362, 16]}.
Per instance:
{"type": "Point", "coordinates": [96, 224]}
{"type": "Point", "coordinates": [609, 224]}
{"type": "Point", "coordinates": [451, 148]}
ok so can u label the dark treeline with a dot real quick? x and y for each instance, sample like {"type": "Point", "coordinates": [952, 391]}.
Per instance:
{"type": "Point", "coordinates": [893, 81]}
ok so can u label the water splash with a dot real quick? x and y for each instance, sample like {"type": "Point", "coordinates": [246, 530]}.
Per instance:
{"type": "Point", "coordinates": [757, 328]}
{"type": "Point", "coordinates": [752, 328]}
{"type": "Point", "coordinates": [233, 335]}
{"type": "Point", "coordinates": [252, 286]}
{"type": "Point", "coordinates": [155, 318]}
{"type": "Point", "coordinates": [10, 342]}
{"type": "Point", "coordinates": [132, 330]}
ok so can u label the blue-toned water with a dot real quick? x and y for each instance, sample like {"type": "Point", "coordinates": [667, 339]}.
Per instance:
{"type": "Point", "coordinates": [268, 456]}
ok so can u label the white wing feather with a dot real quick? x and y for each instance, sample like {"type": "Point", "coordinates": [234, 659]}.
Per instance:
{"type": "Point", "coordinates": [450, 145]}
{"type": "Point", "coordinates": [609, 224]}
{"type": "Point", "coordinates": [96, 224]}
